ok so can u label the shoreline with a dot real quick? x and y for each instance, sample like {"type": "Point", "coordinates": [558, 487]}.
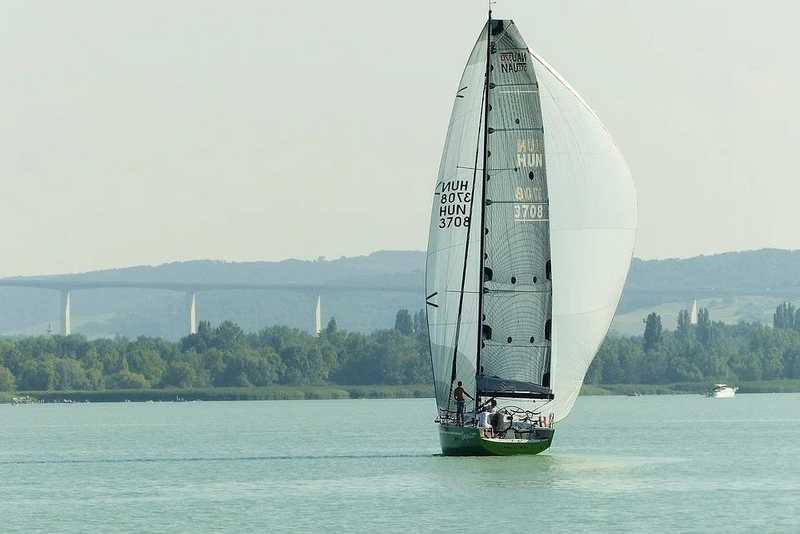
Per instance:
{"type": "Point", "coordinates": [321, 392]}
{"type": "Point", "coordinates": [330, 392]}
{"type": "Point", "coordinates": [690, 388]}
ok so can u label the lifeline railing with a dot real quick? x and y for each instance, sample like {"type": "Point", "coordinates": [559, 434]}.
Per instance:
{"type": "Point", "coordinates": [534, 418]}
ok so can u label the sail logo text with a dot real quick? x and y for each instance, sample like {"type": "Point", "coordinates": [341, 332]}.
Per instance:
{"type": "Point", "coordinates": [454, 200]}
{"type": "Point", "coordinates": [513, 62]}
{"type": "Point", "coordinates": [529, 153]}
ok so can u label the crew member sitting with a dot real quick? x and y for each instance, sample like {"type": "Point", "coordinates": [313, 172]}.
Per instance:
{"type": "Point", "coordinates": [485, 418]}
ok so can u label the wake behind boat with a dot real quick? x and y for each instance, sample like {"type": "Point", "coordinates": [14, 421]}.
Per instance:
{"type": "Point", "coordinates": [531, 236]}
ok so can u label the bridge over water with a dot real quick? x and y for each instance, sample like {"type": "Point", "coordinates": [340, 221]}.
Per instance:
{"type": "Point", "coordinates": [67, 286]}
{"type": "Point", "coordinates": [191, 289]}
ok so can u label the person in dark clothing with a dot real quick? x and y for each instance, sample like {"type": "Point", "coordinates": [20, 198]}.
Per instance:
{"type": "Point", "coordinates": [459, 393]}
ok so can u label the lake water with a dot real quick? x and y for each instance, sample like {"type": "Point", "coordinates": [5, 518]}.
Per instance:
{"type": "Point", "coordinates": [618, 464]}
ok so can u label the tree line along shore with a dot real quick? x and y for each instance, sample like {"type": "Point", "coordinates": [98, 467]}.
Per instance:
{"type": "Point", "coordinates": [225, 363]}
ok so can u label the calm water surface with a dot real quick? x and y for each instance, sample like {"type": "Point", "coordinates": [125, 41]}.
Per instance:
{"type": "Point", "coordinates": [619, 464]}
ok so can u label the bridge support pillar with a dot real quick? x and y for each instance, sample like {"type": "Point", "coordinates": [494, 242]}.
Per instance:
{"type": "Point", "coordinates": [318, 316]}
{"type": "Point", "coordinates": [66, 327]}
{"type": "Point", "coordinates": [191, 311]}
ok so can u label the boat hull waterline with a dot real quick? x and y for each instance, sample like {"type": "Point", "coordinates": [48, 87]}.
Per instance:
{"type": "Point", "coordinates": [468, 441]}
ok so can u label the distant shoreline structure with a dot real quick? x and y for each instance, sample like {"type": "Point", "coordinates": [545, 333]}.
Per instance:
{"type": "Point", "coordinates": [396, 279]}
{"type": "Point", "coordinates": [334, 392]}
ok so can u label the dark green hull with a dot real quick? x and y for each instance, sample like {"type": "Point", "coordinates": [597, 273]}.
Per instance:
{"type": "Point", "coordinates": [467, 441]}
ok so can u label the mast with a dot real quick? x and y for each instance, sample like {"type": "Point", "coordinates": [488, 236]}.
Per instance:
{"type": "Point", "coordinates": [483, 199]}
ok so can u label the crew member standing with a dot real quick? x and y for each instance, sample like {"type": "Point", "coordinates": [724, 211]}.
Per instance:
{"type": "Point", "coordinates": [459, 394]}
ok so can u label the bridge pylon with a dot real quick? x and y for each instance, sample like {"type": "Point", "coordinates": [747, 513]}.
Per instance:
{"type": "Point", "coordinates": [191, 311]}
{"type": "Point", "coordinates": [66, 327]}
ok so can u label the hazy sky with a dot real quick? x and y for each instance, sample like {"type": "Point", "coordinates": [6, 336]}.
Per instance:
{"type": "Point", "coordinates": [145, 132]}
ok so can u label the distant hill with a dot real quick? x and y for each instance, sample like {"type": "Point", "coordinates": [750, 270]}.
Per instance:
{"type": "Point", "coordinates": [735, 286]}
{"type": "Point", "coordinates": [753, 271]}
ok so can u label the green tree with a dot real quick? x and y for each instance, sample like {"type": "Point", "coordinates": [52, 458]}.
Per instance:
{"type": "Point", "coordinates": [215, 365]}
{"type": "Point", "coordinates": [704, 327]}
{"type": "Point", "coordinates": [7, 381]}
{"type": "Point", "coordinates": [201, 341]}
{"type": "Point", "coordinates": [38, 375]}
{"type": "Point", "coordinates": [684, 328]}
{"type": "Point", "coordinates": [181, 375]}
{"type": "Point", "coordinates": [227, 336]}
{"type": "Point", "coordinates": [253, 368]}
{"type": "Point", "coordinates": [148, 363]}
{"type": "Point", "coordinates": [96, 378]}
{"type": "Point", "coordinates": [791, 363]}
{"type": "Point", "coordinates": [331, 329]}
{"type": "Point", "coordinates": [301, 365]}
{"type": "Point", "coordinates": [73, 346]}
{"type": "Point", "coordinates": [652, 331]}
{"type": "Point", "coordinates": [421, 324]}
{"type": "Point", "coordinates": [70, 375]}
{"type": "Point", "coordinates": [128, 380]}
{"type": "Point", "coordinates": [784, 316]}
{"type": "Point", "coordinates": [112, 358]}
{"type": "Point", "coordinates": [403, 323]}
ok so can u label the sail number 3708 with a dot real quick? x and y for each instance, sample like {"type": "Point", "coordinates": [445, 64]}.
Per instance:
{"type": "Point", "coordinates": [530, 206]}
{"type": "Point", "coordinates": [454, 199]}
{"type": "Point", "coordinates": [454, 221]}
{"type": "Point", "coordinates": [530, 212]}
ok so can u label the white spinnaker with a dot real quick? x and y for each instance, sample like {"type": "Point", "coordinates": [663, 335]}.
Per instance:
{"type": "Point", "coordinates": [592, 230]}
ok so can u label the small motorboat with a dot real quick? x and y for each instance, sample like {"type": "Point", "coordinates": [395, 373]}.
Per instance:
{"type": "Point", "coordinates": [723, 391]}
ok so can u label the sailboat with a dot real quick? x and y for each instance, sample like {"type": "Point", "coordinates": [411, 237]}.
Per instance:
{"type": "Point", "coordinates": [531, 235]}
